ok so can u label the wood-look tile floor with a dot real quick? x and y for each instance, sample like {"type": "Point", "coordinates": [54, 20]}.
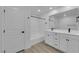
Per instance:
{"type": "Point", "coordinates": [41, 48]}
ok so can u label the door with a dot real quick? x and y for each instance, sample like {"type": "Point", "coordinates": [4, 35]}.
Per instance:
{"type": "Point", "coordinates": [14, 29]}
{"type": "Point", "coordinates": [0, 29]}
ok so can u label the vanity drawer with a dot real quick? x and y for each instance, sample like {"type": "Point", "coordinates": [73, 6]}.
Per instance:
{"type": "Point", "coordinates": [75, 37]}
{"type": "Point", "coordinates": [53, 43]}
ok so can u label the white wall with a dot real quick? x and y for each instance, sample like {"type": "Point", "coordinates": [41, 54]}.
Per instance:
{"type": "Point", "coordinates": [36, 30]}
{"type": "Point", "coordinates": [61, 21]}
{"type": "Point", "coordinates": [65, 20]}
{"type": "Point", "coordinates": [65, 23]}
{"type": "Point", "coordinates": [37, 26]}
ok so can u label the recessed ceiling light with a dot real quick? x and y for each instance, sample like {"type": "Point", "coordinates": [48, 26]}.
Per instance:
{"type": "Point", "coordinates": [38, 10]}
{"type": "Point", "coordinates": [50, 8]}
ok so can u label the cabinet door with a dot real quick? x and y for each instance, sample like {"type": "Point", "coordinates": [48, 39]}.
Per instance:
{"type": "Point", "coordinates": [49, 38]}
{"type": "Point", "coordinates": [14, 29]}
{"type": "Point", "coordinates": [63, 42]}
{"type": "Point", "coordinates": [53, 39]}
{"type": "Point", "coordinates": [56, 40]}
{"type": "Point", "coordinates": [73, 45]}
{"type": "Point", "coordinates": [0, 29]}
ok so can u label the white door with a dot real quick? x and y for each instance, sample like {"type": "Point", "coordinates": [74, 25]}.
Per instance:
{"type": "Point", "coordinates": [0, 29]}
{"type": "Point", "coordinates": [14, 29]}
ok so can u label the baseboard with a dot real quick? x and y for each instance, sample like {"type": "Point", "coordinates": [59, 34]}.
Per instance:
{"type": "Point", "coordinates": [20, 51]}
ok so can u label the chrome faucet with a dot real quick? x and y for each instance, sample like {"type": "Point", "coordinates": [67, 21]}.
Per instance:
{"type": "Point", "coordinates": [69, 30]}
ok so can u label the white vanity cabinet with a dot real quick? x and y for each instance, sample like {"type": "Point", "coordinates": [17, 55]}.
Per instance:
{"type": "Point", "coordinates": [49, 39]}
{"type": "Point", "coordinates": [64, 42]}
{"type": "Point", "coordinates": [73, 44]}
{"type": "Point", "coordinates": [52, 39]}
{"type": "Point", "coordinates": [56, 40]}
{"type": "Point", "coordinates": [69, 43]}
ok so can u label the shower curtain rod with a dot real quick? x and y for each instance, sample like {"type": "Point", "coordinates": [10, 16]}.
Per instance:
{"type": "Point", "coordinates": [38, 17]}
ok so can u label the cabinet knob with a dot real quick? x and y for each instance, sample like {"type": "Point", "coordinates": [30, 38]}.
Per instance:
{"type": "Point", "coordinates": [56, 39]}
{"type": "Point", "coordinates": [45, 22]}
{"type": "Point", "coordinates": [67, 39]}
{"type": "Point", "coordinates": [48, 34]}
{"type": "Point", "coordinates": [22, 31]}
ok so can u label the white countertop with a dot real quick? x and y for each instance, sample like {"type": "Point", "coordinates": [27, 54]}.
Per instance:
{"type": "Point", "coordinates": [72, 32]}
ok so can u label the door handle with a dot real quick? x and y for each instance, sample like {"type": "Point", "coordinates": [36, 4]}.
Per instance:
{"type": "Point", "coordinates": [22, 31]}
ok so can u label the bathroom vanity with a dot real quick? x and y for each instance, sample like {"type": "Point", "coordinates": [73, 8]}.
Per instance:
{"type": "Point", "coordinates": [63, 31]}
{"type": "Point", "coordinates": [63, 40]}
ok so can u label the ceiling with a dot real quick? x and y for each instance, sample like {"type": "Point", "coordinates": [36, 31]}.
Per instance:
{"type": "Point", "coordinates": [71, 13]}
{"type": "Point", "coordinates": [46, 10]}
{"type": "Point", "coordinates": [40, 10]}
